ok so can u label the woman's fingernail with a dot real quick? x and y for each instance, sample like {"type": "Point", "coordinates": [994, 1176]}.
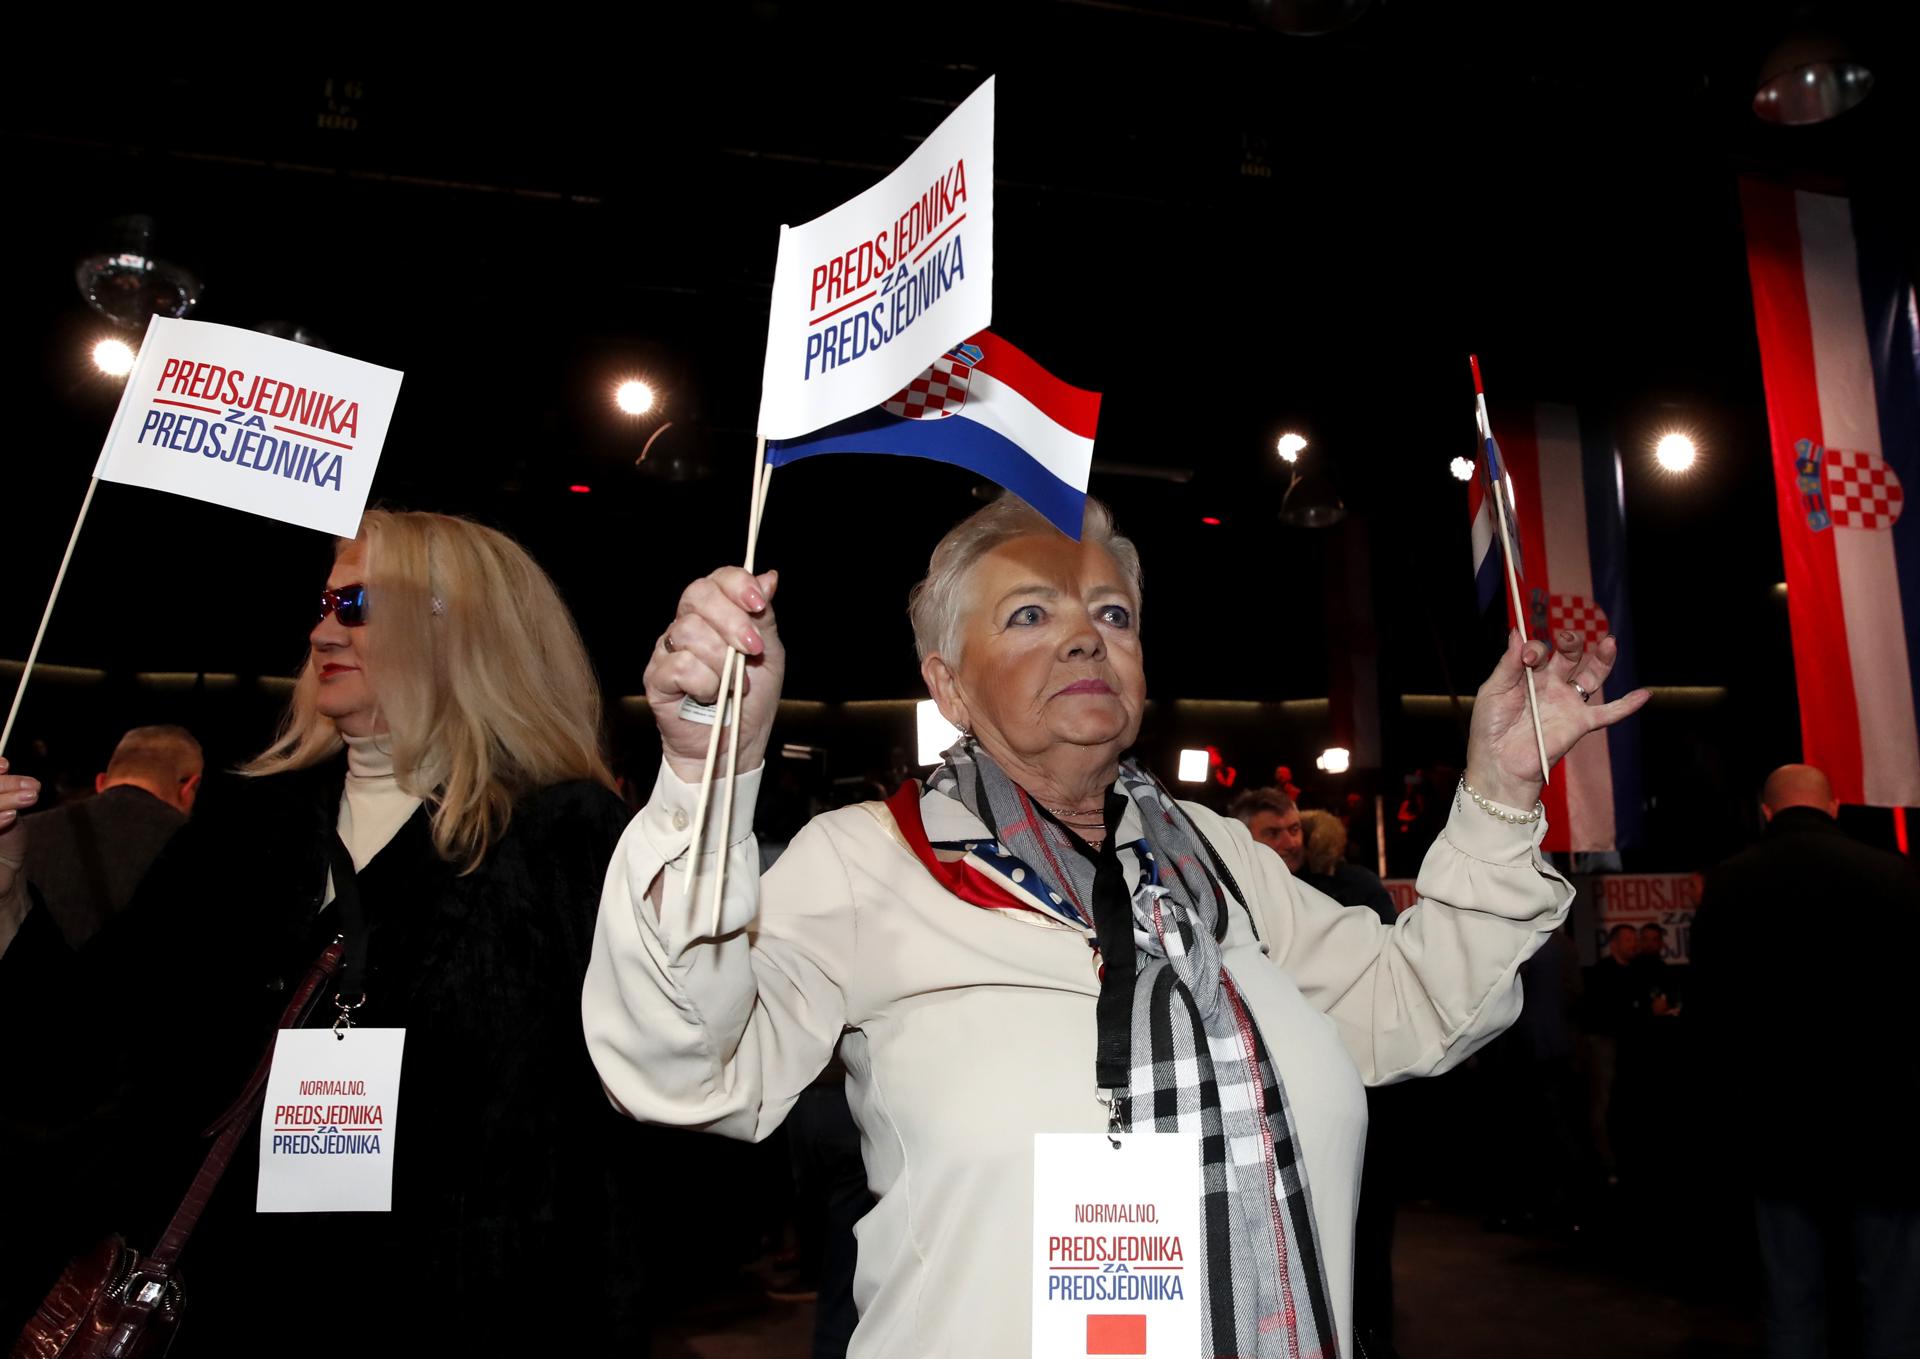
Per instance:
{"type": "Point", "coordinates": [27, 799]}
{"type": "Point", "coordinates": [750, 642]}
{"type": "Point", "coordinates": [756, 601]}
{"type": "Point", "coordinates": [6, 818]}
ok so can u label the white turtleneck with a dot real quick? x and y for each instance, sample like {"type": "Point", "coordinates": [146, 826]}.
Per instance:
{"type": "Point", "coordinates": [373, 807]}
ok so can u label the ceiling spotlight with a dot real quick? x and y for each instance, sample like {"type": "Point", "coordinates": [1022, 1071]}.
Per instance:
{"type": "Point", "coordinates": [1312, 500]}
{"type": "Point", "coordinates": [1334, 760]}
{"type": "Point", "coordinates": [1809, 78]}
{"type": "Point", "coordinates": [113, 357]}
{"type": "Point", "coordinates": [1462, 469]}
{"type": "Point", "coordinates": [1675, 452]}
{"type": "Point", "coordinates": [634, 397]}
{"type": "Point", "coordinates": [126, 284]}
{"type": "Point", "coordinates": [1193, 766]}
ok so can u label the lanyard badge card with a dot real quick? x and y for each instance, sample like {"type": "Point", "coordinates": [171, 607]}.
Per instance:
{"type": "Point", "coordinates": [333, 1094]}
{"type": "Point", "coordinates": [1116, 1245]}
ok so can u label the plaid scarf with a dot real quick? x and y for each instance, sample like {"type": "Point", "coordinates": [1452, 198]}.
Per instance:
{"type": "Point", "coordinates": [1179, 1051]}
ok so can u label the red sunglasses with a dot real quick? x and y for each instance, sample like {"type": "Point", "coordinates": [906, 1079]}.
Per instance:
{"type": "Point", "coordinates": [348, 604]}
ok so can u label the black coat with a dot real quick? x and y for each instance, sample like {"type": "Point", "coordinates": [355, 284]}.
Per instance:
{"type": "Point", "coordinates": [1810, 1069]}
{"type": "Point", "coordinates": [514, 1214]}
{"type": "Point", "coordinates": [86, 858]}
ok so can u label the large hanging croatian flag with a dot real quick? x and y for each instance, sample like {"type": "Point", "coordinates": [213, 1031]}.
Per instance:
{"type": "Point", "coordinates": [1840, 355]}
{"type": "Point", "coordinates": [987, 407]}
{"type": "Point", "coordinates": [1570, 522]}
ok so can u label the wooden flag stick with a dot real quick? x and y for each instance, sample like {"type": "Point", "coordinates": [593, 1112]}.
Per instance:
{"type": "Point", "coordinates": [732, 670]}
{"type": "Point", "coordinates": [762, 478]}
{"type": "Point", "coordinates": [1519, 612]}
{"type": "Point", "coordinates": [1504, 486]}
{"type": "Point", "coordinates": [46, 614]}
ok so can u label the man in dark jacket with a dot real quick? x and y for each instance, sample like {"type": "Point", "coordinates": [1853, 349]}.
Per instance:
{"type": "Point", "coordinates": [1817, 1088]}
{"type": "Point", "coordinates": [85, 858]}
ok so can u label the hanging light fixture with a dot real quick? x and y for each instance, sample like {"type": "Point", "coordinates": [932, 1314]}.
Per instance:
{"type": "Point", "coordinates": [1312, 500]}
{"type": "Point", "coordinates": [1809, 78]}
{"type": "Point", "coordinates": [126, 284]}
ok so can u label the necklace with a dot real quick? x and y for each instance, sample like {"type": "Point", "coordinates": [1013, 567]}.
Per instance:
{"type": "Point", "coordinates": [1098, 810]}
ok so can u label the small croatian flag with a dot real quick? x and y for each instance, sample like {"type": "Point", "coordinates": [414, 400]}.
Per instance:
{"type": "Point", "coordinates": [987, 407]}
{"type": "Point", "coordinates": [1487, 569]}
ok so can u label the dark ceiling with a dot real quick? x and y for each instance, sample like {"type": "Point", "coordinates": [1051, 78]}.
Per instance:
{"type": "Point", "coordinates": [1226, 230]}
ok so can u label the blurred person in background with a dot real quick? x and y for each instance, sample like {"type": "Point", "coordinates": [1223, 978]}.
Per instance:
{"type": "Point", "coordinates": [1811, 1097]}
{"type": "Point", "coordinates": [1326, 867]}
{"type": "Point", "coordinates": [85, 858]}
{"type": "Point", "coordinates": [1273, 819]}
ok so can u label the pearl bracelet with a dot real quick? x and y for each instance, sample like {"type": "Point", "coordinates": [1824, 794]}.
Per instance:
{"type": "Point", "coordinates": [1512, 819]}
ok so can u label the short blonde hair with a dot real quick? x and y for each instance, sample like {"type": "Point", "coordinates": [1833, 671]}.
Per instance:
{"type": "Point", "coordinates": [1326, 841]}
{"type": "Point", "coordinates": [936, 604]}
{"type": "Point", "coordinates": [479, 672]}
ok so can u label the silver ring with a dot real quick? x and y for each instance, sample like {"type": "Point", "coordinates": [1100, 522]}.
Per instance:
{"type": "Point", "coordinates": [666, 640]}
{"type": "Point", "coordinates": [1578, 689]}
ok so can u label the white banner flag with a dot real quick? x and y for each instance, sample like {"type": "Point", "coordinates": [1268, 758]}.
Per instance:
{"type": "Point", "coordinates": [868, 295]}
{"type": "Point", "coordinates": [261, 424]}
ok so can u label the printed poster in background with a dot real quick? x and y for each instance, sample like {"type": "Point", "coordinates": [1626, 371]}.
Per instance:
{"type": "Point", "coordinates": [1664, 899]}
{"type": "Point", "coordinates": [256, 423]}
{"type": "Point", "coordinates": [868, 295]}
{"type": "Point", "coordinates": [1604, 900]}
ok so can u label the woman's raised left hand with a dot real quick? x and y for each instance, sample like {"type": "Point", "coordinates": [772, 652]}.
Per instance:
{"type": "Point", "coordinates": [1503, 760]}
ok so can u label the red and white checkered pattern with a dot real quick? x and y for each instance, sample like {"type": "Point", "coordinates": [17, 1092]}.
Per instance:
{"type": "Point", "coordinates": [1862, 491]}
{"type": "Point", "coordinates": [1572, 613]}
{"type": "Point", "coordinates": [935, 394]}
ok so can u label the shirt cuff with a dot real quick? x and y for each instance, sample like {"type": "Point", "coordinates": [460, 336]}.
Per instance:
{"type": "Point", "coordinates": [1479, 834]}
{"type": "Point", "coordinates": [666, 822]}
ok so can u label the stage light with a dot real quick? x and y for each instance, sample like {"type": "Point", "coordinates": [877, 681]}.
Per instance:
{"type": "Point", "coordinates": [1193, 766]}
{"type": "Point", "coordinates": [634, 397]}
{"type": "Point", "coordinates": [933, 733]}
{"type": "Point", "coordinates": [1675, 452]}
{"type": "Point", "coordinates": [1289, 447]}
{"type": "Point", "coordinates": [1211, 520]}
{"type": "Point", "coordinates": [125, 282]}
{"type": "Point", "coordinates": [1462, 469]}
{"type": "Point", "coordinates": [113, 357]}
{"type": "Point", "coordinates": [1809, 78]}
{"type": "Point", "coordinates": [1334, 760]}
{"type": "Point", "coordinates": [580, 488]}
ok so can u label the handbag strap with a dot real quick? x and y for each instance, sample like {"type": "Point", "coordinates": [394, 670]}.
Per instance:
{"type": "Point", "coordinates": [233, 1125]}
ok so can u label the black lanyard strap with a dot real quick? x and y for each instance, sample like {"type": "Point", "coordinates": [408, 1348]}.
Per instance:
{"type": "Point", "coordinates": [1113, 925]}
{"type": "Point", "coordinates": [352, 992]}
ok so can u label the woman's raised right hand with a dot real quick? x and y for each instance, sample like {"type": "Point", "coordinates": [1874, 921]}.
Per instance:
{"type": "Point", "coordinates": [728, 609]}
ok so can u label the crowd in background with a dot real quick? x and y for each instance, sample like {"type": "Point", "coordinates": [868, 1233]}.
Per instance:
{"type": "Point", "coordinates": [1685, 1131]}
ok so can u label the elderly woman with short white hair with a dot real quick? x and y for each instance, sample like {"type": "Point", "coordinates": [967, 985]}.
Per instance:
{"type": "Point", "coordinates": [1041, 939]}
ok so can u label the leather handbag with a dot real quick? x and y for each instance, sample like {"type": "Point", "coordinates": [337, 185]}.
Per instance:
{"type": "Point", "coordinates": [114, 1303]}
